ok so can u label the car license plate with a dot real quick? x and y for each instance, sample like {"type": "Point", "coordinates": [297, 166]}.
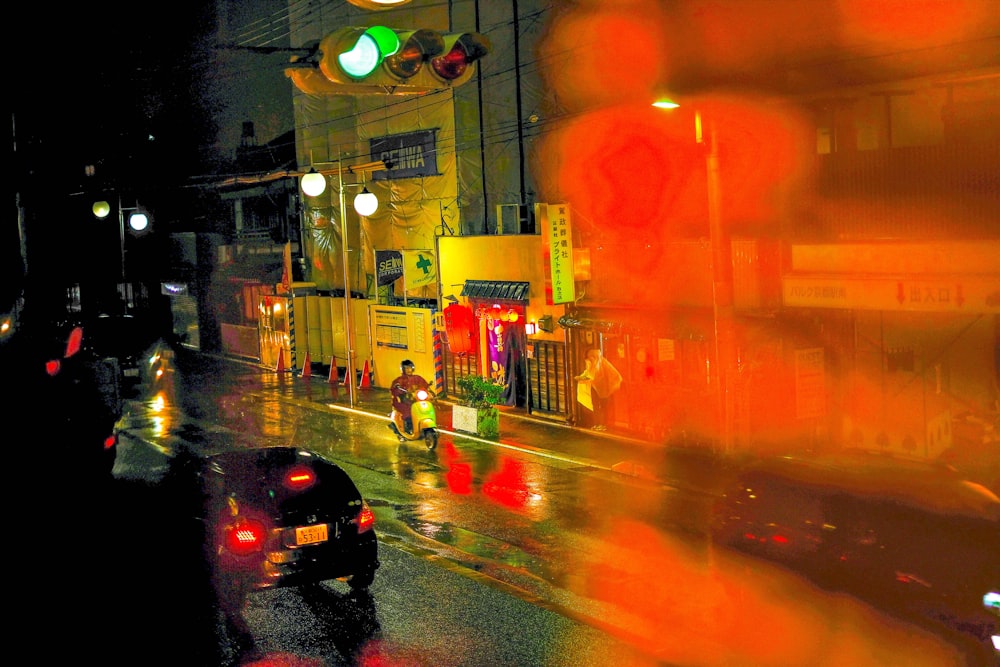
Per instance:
{"type": "Point", "coordinates": [131, 372]}
{"type": "Point", "coordinates": [311, 534]}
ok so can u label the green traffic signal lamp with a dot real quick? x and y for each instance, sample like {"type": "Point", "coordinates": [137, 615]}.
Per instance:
{"type": "Point", "coordinates": [380, 60]}
{"type": "Point", "coordinates": [370, 48]}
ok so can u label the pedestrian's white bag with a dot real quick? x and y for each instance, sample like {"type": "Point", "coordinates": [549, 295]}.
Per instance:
{"type": "Point", "coordinates": [583, 394]}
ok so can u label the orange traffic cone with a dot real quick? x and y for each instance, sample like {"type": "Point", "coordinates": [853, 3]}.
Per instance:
{"type": "Point", "coordinates": [280, 368]}
{"type": "Point", "coordinates": [307, 368]}
{"type": "Point", "coordinates": [334, 375]}
{"type": "Point", "coordinates": [366, 380]}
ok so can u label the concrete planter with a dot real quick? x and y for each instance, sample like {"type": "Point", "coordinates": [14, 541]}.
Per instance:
{"type": "Point", "coordinates": [484, 422]}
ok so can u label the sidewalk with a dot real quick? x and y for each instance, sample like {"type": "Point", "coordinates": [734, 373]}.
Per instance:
{"type": "Point", "coordinates": [687, 467]}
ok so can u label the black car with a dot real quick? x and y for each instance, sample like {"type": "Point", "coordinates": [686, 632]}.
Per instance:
{"type": "Point", "coordinates": [284, 516]}
{"type": "Point", "coordinates": [127, 338]}
{"type": "Point", "coordinates": [911, 536]}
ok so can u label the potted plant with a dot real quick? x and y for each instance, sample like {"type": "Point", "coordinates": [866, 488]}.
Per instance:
{"type": "Point", "coordinates": [477, 412]}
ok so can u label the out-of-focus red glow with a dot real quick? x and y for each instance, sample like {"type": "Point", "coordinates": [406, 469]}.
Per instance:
{"type": "Point", "coordinates": [637, 170]}
{"type": "Point", "coordinates": [507, 486]}
{"type": "Point", "coordinates": [766, 157]}
{"type": "Point", "coordinates": [740, 34]}
{"type": "Point", "coordinates": [911, 23]}
{"type": "Point", "coordinates": [459, 478]}
{"type": "Point", "coordinates": [719, 602]}
{"type": "Point", "coordinates": [53, 366]}
{"type": "Point", "coordinates": [605, 53]}
{"type": "Point", "coordinates": [73, 342]}
{"type": "Point", "coordinates": [716, 38]}
{"type": "Point", "coordinates": [459, 475]}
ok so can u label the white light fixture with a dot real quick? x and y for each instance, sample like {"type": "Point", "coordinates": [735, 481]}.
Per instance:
{"type": "Point", "coordinates": [138, 221]}
{"type": "Point", "coordinates": [665, 104]}
{"type": "Point", "coordinates": [313, 183]}
{"type": "Point", "coordinates": [101, 209]}
{"type": "Point", "coordinates": [377, 4]}
{"type": "Point", "coordinates": [365, 203]}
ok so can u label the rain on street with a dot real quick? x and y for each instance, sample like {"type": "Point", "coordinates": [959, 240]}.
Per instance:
{"type": "Point", "coordinates": [598, 550]}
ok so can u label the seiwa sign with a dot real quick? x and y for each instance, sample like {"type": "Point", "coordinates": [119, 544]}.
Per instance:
{"type": "Point", "coordinates": [418, 268]}
{"type": "Point", "coordinates": [410, 155]}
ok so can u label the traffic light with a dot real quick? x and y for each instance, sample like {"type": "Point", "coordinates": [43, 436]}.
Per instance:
{"type": "Point", "coordinates": [388, 61]}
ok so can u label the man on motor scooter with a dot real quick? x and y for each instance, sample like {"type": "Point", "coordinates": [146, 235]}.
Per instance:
{"type": "Point", "coordinates": [403, 389]}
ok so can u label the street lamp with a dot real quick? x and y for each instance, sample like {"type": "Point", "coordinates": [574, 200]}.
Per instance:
{"type": "Point", "coordinates": [365, 203]}
{"type": "Point", "coordinates": [721, 286]}
{"type": "Point", "coordinates": [138, 221]}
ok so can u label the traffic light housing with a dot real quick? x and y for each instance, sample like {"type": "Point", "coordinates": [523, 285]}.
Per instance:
{"type": "Point", "coordinates": [388, 61]}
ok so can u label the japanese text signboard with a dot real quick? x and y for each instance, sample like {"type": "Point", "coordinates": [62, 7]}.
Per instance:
{"type": "Point", "coordinates": [558, 233]}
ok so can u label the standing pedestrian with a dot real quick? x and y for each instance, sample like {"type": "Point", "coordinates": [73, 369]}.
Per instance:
{"type": "Point", "coordinates": [597, 384]}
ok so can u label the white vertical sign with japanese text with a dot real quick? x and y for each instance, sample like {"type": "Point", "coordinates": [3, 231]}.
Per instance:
{"type": "Point", "coordinates": [559, 244]}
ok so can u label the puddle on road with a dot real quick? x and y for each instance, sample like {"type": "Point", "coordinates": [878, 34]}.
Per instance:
{"type": "Point", "coordinates": [485, 554]}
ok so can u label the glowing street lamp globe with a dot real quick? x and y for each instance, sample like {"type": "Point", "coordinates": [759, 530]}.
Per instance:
{"type": "Point", "coordinates": [365, 203]}
{"type": "Point", "coordinates": [138, 221]}
{"type": "Point", "coordinates": [313, 183]}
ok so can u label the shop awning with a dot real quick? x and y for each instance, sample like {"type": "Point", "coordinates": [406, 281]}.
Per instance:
{"type": "Point", "coordinates": [496, 290]}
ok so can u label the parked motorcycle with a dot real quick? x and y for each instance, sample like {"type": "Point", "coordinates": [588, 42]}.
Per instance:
{"type": "Point", "coordinates": [423, 417]}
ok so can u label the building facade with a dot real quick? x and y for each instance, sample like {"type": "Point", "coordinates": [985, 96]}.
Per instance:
{"type": "Point", "coordinates": [796, 257]}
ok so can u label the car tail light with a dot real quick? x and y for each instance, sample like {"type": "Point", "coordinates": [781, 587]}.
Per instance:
{"type": "Point", "coordinates": [365, 519]}
{"type": "Point", "coordinates": [244, 536]}
{"type": "Point", "coordinates": [111, 441]}
{"type": "Point", "coordinates": [299, 478]}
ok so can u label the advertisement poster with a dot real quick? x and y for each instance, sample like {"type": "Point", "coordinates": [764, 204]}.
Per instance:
{"type": "Point", "coordinates": [419, 268]}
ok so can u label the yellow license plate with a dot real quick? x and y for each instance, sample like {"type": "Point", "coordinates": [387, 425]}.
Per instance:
{"type": "Point", "coordinates": [311, 534]}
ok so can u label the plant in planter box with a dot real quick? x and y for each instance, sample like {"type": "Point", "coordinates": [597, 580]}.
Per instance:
{"type": "Point", "coordinates": [481, 395]}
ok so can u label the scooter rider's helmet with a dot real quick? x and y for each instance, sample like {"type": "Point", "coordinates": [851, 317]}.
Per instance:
{"type": "Point", "coordinates": [406, 363]}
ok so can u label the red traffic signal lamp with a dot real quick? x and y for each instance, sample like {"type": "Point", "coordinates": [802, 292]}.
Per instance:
{"type": "Point", "coordinates": [461, 50]}
{"type": "Point", "coordinates": [388, 61]}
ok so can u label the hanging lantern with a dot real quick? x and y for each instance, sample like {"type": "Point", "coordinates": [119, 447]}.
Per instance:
{"type": "Point", "coordinates": [461, 327]}
{"type": "Point", "coordinates": [512, 315]}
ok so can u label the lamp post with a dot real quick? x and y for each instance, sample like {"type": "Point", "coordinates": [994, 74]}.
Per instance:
{"type": "Point", "coordinates": [722, 301]}
{"type": "Point", "coordinates": [365, 203]}
{"type": "Point", "coordinates": [138, 221]}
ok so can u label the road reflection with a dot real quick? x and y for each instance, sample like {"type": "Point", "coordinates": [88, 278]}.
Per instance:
{"type": "Point", "coordinates": [690, 606]}
{"type": "Point", "coordinates": [625, 553]}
